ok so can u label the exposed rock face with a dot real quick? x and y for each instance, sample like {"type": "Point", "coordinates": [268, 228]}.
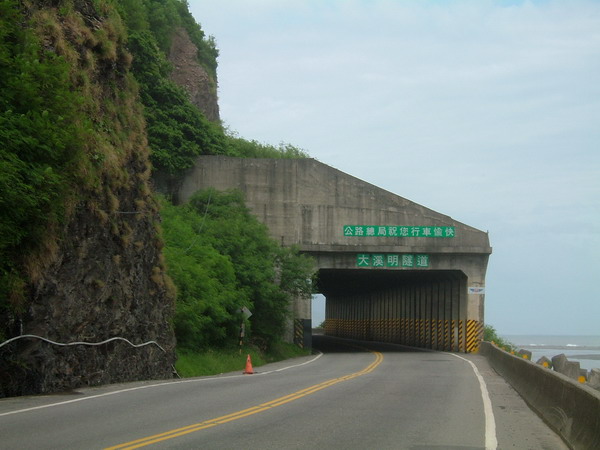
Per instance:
{"type": "Point", "coordinates": [105, 280]}
{"type": "Point", "coordinates": [191, 76]}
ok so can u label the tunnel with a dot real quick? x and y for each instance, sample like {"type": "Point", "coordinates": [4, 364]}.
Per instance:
{"type": "Point", "coordinates": [391, 270]}
{"type": "Point", "coordinates": [425, 309]}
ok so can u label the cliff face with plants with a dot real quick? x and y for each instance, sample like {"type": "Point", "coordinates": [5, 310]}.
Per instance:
{"type": "Point", "coordinates": [103, 103]}
{"type": "Point", "coordinates": [80, 244]}
{"type": "Point", "coordinates": [191, 76]}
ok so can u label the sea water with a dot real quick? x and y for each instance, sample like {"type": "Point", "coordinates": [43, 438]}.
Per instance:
{"type": "Point", "coordinates": [583, 349]}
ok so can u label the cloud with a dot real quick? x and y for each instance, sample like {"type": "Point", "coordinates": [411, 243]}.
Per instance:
{"type": "Point", "coordinates": [484, 110]}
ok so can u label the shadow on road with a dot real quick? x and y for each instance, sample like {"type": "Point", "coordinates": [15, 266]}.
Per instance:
{"type": "Point", "coordinates": [330, 344]}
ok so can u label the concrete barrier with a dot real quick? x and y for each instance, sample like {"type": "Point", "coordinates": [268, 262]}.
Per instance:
{"type": "Point", "coordinates": [594, 379]}
{"type": "Point", "coordinates": [568, 407]}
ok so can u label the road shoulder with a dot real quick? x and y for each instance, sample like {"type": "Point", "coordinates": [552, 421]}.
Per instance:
{"type": "Point", "coordinates": [517, 426]}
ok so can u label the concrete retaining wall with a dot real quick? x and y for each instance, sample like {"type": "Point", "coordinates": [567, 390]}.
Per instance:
{"type": "Point", "coordinates": [570, 408]}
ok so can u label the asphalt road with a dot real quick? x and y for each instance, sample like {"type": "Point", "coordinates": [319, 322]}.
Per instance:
{"type": "Point", "coordinates": [352, 396]}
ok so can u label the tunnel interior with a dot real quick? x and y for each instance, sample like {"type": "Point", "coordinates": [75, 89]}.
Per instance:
{"type": "Point", "coordinates": [418, 308]}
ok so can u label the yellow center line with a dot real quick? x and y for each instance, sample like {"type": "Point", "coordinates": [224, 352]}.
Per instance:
{"type": "Point", "coordinates": [149, 440]}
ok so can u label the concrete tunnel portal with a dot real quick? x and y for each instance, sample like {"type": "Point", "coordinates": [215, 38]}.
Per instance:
{"type": "Point", "coordinates": [391, 270]}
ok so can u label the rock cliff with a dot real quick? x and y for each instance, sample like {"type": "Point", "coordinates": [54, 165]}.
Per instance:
{"type": "Point", "coordinates": [191, 76]}
{"type": "Point", "coordinates": [105, 279]}
{"type": "Point", "coordinates": [99, 273]}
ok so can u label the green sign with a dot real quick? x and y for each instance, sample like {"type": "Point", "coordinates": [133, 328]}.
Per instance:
{"type": "Point", "coordinates": [399, 231]}
{"type": "Point", "coordinates": [391, 260]}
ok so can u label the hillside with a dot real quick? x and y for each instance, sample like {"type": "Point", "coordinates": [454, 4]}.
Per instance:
{"type": "Point", "coordinates": [102, 103]}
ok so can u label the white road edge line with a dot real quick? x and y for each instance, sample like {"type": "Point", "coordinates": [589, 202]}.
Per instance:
{"type": "Point", "coordinates": [167, 383]}
{"type": "Point", "coordinates": [491, 441]}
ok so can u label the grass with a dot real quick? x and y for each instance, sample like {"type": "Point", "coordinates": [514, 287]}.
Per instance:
{"type": "Point", "coordinates": [215, 361]}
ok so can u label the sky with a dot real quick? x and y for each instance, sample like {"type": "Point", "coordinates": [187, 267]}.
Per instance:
{"type": "Point", "coordinates": [486, 111]}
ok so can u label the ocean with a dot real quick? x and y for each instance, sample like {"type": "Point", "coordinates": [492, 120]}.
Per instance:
{"type": "Point", "coordinates": [584, 349]}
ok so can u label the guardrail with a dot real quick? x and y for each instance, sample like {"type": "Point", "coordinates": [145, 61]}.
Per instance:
{"type": "Point", "coordinates": [568, 407]}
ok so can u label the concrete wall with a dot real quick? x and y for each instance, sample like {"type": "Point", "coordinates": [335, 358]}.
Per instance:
{"type": "Point", "coordinates": [306, 202]}
{"type": "Point", "coordinates": [570, 408]}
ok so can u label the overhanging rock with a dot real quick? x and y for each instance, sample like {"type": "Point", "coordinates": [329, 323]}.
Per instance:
{"type": "Point", "coordinates": [421, 273]}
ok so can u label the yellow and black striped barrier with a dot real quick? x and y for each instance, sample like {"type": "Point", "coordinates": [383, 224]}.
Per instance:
{"type": "Point", "coordinates": [445, 335]}
{"type": "Point", "coordinates": [299, 333]}
{"type": "Point", "coordinates": [461, 346]}
{"type": "Point", "coordinates": [440, 335]}
{"type": "Point", "coordinates": [474, 335]}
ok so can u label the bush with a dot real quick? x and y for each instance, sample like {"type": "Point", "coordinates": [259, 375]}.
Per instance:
{"type": "Point", "coordinates": [41, 135]}
{"type": "Point", "coordinates": [490, 335]}
{"type": "Point", "coordinates": [221, 259]}
{"type": "Point", "coordinates": [237, 146]}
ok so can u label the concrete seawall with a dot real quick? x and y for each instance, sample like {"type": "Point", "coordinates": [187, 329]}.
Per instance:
{"type": "Point", "coordinates": [570, 408]}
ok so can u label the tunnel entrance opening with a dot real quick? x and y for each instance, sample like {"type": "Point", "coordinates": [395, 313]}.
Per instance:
{"type": "Point", "coordinates": [317, 310]}
{"type": "Point", "coordinates": [426, 309]}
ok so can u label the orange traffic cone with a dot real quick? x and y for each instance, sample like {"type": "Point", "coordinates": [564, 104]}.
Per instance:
{"type": "Point", "coordinates": [249, 370]}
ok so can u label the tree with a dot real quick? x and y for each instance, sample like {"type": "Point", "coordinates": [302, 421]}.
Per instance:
{"type": "Point", "coordinates": [221, 258]}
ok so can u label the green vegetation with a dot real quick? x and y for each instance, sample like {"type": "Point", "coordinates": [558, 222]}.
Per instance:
{"type": "Point", "coordinates": [221, 259]}
{"type": "Point", "coordinates": [41, 136]}
{"type": "Point", "coordinates": [71, 131]}
{"type": "Point", "coordinates": [216, 361]}
{"type": "Point", "coordinates": [237, 146]}
{"type": "Point", "coordinates": [490, 335]}
{"type": "Point", "coordinates": [177, 130]}
{"type": "Point", "coordinates": [161, 18]}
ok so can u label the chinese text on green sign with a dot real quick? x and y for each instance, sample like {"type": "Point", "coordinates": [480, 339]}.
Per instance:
{"type": "Point", "coordinates": [391, 260]}
{"type": "Point", "coordinates": [399, 231]}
